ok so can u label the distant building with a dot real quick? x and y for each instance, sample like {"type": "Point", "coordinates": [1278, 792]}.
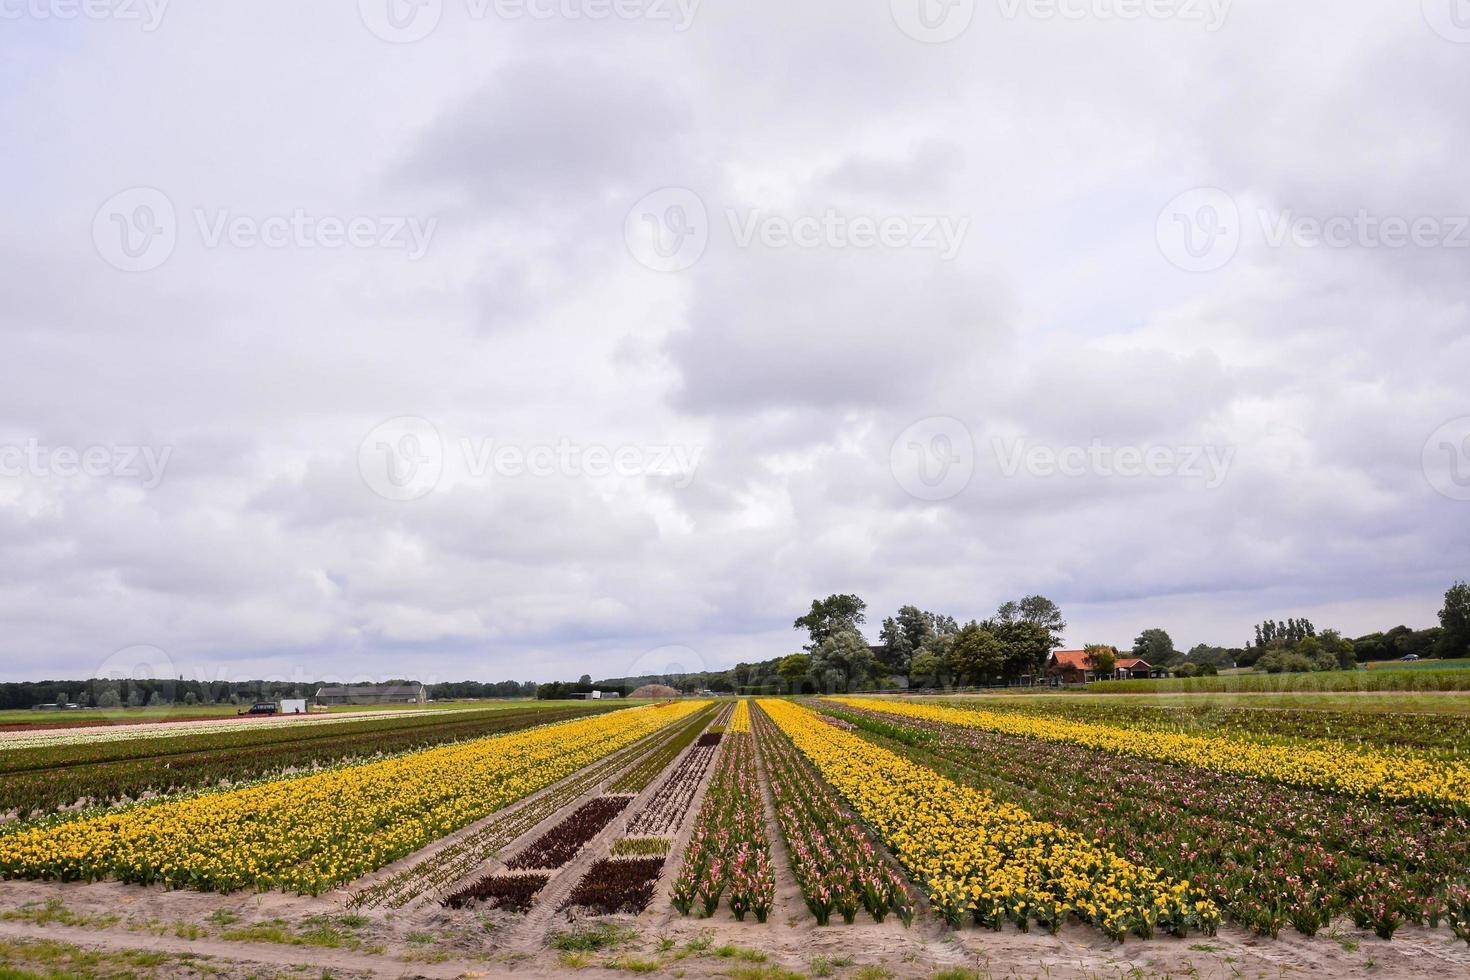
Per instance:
{"type": "Point", "coordinates": [372, 694]}
{"type": "Point", "coordinates": [596, 695]}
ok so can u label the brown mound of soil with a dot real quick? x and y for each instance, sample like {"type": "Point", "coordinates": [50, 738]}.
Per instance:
{"type": "Point", "coordinates": [654, 691]}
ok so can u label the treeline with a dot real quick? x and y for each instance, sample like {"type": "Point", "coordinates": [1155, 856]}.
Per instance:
{"type": "Point", "coordinates": [159, 692]}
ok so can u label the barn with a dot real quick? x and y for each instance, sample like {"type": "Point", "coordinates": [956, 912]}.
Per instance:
{"type": "Point", "coordinates": [372, 694]}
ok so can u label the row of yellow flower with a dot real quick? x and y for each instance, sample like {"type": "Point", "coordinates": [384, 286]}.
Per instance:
{"type": "Point", "coordinates": [1343, 770]}
{"type": "Point", "coordinates": [310, 833]}
{"type": "Point", "coordinates": [981, 858]}
{"type": "Point", "coordinates": [740, 720]}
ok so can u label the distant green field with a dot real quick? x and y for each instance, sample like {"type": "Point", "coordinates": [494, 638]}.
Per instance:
{"type": "Point", "coordinates": [1400, 677]}
{"type": "Point", "coordinates": [105, 716]}
{"type": "Point", "coordinates": [1419, 665]}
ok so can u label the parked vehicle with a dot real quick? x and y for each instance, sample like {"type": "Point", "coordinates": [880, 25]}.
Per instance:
{"type": "Point", "coordinates": [260, 708]}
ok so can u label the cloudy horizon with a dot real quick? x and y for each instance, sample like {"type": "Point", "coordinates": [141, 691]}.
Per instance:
{"type": "Point", "coordinates": [522, 339]}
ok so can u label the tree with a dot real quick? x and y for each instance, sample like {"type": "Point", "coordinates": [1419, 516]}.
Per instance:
{"type": "Point", "coordinates": [830, 616]}
{"type": "Point", "coordinates": [1026, 644]}
{"type": "Point", "coordinates": [1154, 645]}
{"type": "Point", "coordinates": [926, 666]}
{"type": "Point", "coordinates": [109, 699]}
{"type": "Point", "coordinates": [1341, 650]}
{"type": "Point", "coordinates": [585, 680]}
{"type": "Point", "coordinates": [1039, 611]}
{"type": "Point", "coordinates": [1101, 658]}
{"type": "Point", "coordinates": [903, 636]}
{"type": "Point", "coordinates": [977, 655]}
{"type": "Point", "coordinates": [842, 661]}
{"type": "Point", "coordinates": [794, 668]}
{"type": "Point", "coordinates": [1454, 619]}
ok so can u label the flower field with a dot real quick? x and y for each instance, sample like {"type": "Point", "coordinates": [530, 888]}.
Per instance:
{"type": "Point", "coordinates": [308, 834]}
{"type": "Point", "coordinates": [41, 779]}
{"type": "Point", "coordinates": [1430, 783]}
{"type": "Point", "coordinates": [1136, 820]}
{"type": "Point", "coordinates": [985, 859]}
{"type": "Point", "coordinates": [835, 865]}
{"type": "Point", "coordinates": [728, 854]}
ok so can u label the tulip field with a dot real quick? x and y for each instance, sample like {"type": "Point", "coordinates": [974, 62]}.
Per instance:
{"type": "Point", "coordinates": [920, 818]}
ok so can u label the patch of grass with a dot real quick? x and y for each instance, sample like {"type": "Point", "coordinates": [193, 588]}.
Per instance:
{"type": "Point", "coordinates": [956, 973]}
{"type": "Point", "coordinates": [730, 951]}
{"type": "Point", "coordinates": [700, 943]}
{"type": "Point", "coordinates": [55, 912]}
{"type": "Point", "coordinates": [62, 961]}
{"type": "Point", "coordinates": [574, 959]}
{"type": "Point", "coordinates": [873, 971]}
{"type": "Point", "coordinates": [224, 917]}
{"type": "Point", "coordinates": [665, 944]}
{"type": "Point", "coordinates": [419, 938]}
{"type": "Point", "coordinates": [764, 973]}
{"type": "Point", "coordinates": [633, 964]}
{"type": "Point", "coordinates": [592, 939]}
{"type": "Point", "coordinates": [1204, 947]}
{"type": "Point", "coordinates": [353, 921]}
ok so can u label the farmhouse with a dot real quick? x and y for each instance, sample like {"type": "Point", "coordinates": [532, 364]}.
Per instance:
{"type": "Point", "coordinates": [1070, 666]}
{"type": "Point", "coordinates": [372, 694]}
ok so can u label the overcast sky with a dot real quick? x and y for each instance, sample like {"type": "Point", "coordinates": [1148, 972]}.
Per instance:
{"type": "Point", "coordinates": [527, 338]}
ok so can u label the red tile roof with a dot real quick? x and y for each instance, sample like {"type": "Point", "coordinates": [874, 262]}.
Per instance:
{"type": "Point", "coordinates": [1071, 659]}
{"type": "Point", "coordinates": [1133, 663]}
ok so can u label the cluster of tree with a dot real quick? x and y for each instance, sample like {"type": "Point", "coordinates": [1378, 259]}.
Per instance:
{"type": "Point", "coordinates": [463, 690]}
{"type": "Point", "coordinates": [920, 647]}
{"type": "Point", "coordinates": [1292, 631]}
{"type": "Point", "coordinates": [147, 692]}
